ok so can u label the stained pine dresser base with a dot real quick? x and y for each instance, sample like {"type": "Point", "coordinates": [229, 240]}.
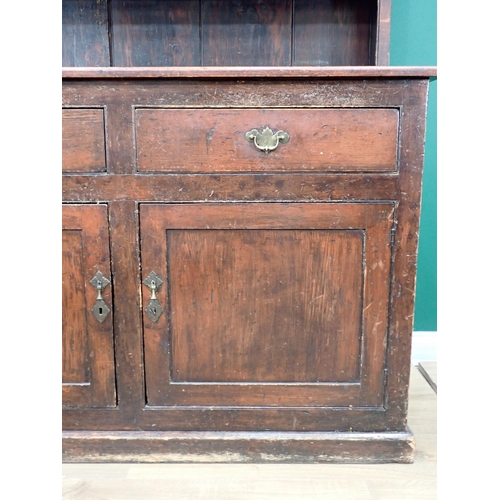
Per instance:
{"type": "Point", "coordinates": [238, 447]}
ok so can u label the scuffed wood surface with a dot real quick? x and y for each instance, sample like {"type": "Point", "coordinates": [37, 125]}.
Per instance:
{"type": "Point", "coordinates": [85, 33]}
{"type": "Point", "coordinates": [87, 343]}
{"type": "Point", "coordinates": [213, 140]}
{"type": "Point", "coordinates": [255, 72]}
{"type": "Point", "coordinates": [278, 187]}
{"type": "Point", "coordinates": [199, 328]}
{"type": "Point", "coordinates": [225, 33]}
{"type": "Point", "coordinates": [274, 481]}
{"type": "Point", "coordinates": [83, 140]}
{"type": "Point", "coordinates": [239, 447]}
{"type": "Point", "coordinates": [123, 188]}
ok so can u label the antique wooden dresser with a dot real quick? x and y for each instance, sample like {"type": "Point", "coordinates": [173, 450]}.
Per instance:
{"type": "Point", "coordinates": [241, 188]}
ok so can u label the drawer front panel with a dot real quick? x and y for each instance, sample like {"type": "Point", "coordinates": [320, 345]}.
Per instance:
{"type": "Point", "coordinates": [214, 140]}
{"type": "Point", "coordinates": [83, 140]}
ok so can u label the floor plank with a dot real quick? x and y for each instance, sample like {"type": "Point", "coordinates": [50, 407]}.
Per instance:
{"type": "Point", "coordinates": [272, 481]}
{"type": "Point", "coordinates": [429, 371]}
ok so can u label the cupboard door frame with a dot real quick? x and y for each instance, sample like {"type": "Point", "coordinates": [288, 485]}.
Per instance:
{"type": "Point", "coordinates": [374, 219]}
{"type": "Point", "coordinates": [98, 390]}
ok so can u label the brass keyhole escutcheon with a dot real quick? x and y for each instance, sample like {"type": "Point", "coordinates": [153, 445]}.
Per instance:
{"type": "Point", "coordinates": [153, 309]}
{"type": "Point", "coordinates": [100, 309]}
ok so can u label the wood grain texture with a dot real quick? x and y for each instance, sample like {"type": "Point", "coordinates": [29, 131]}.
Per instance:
{"type": "Point", "coordinates": [279, 481]}
{"type": "Point", "coordinates": [83, 140]}
{"type": "Point", "coordinates": [242, 187]}
{"type": "Point", "coordinates": [333, 33]}
{"type": "Point", "coordinates": [246, 33]}
{"type": "Point", "coordinates": [322, 140]}
{"type": "Point", "coordinates": [75, 366]}
{"type": "Point", "coordinates": [267, 306]}
{"type": "Point", "coordinates": [200, 339]}
{"type": "Point", "coordinates": [239, 418]}
{"type": "Point", "coordinates": [229, 93]}
{"type": "Point", "coordinates": [223, 447]}
{"type": "Point", "coordinates": [155, 32]}
{"type": "Point", "coordinates": [406, 246]}
{"type": "Point", "coordinates": [255, 72]}
{"type": "Point", "coordinates": [85, 33]}
{"type": "Point", "coordinates": [387, 285]}
{"type": "Point", "coordinates": [237, 33]}
{"type": "Point", "coordinates": [383, 33]}
{"type": "Point", "coordinates": [125, 265]}
{"type": "Point", "coordinates": [119, 142]}
{"type": "Point", "coordinates": [87, 344]}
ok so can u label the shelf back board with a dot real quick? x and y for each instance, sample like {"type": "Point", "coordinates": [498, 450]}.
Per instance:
{"type": "Point", "coordinates": [138, 33]}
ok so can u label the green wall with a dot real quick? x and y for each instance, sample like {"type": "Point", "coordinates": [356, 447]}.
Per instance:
{"type": "Point", "coordinates": [413, 43]}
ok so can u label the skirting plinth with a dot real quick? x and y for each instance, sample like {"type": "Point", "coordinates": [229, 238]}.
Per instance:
{"type": "Point", "coordinates": [237, 447]}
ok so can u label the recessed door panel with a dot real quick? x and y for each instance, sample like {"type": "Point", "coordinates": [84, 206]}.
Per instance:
{"type": "Point", "coordinates": [267, 285]}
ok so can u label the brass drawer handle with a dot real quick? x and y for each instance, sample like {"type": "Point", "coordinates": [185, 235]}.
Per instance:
{"type": "Point", "coordinates": [267, 140]}
{"type": "Point", "coordinates": [153, 309]}
{"type": "Point", "coordinates": [100, 309]}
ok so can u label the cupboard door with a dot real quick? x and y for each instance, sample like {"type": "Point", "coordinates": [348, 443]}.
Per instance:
{"type": "Point", "coordinates": [266, 304]}
{"type": "Point", "coordinates": [87, 333]}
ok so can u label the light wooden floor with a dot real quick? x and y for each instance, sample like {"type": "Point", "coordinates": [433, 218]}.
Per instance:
{"type": "Point", "coordinates": [273, 481]}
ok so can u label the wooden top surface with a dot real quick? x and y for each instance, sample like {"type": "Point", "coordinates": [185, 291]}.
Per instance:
{"type": "Point", "coordinates": [253, 72]}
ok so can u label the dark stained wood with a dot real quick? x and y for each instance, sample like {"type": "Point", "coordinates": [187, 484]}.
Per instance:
{"type": "Point", "coordinates": [333, 33]}
{"type": "Point", "coordinates": [201, 217]}
{"type": "Point", "coordinates": [125, 264]}
{"type": "Point", "coordinates": [83, 140]}
{"type": "Point", "coordinates": [382, 32]}
{"type": "Point", "coordinates": [214, 140]}
{"type": "Point", "coordinates": [264, 216]}
{"type": "Point", "coordinates": [405, 255]}
{"type": "Point", "coordinates": [264, 187]}
{"type": "Point", "coordinates": [155, 32]}
{"type": "Point", "coordinates": [119, 142]}
{"type": "Point", "coordinates": [85, 33]}
{"type": "Point", "coordinates": [242, 93]}
{"type": "Point", "coordinates": [221, 447]}
{"type": "Point", "coordinates": [75, 360]}
{"type": "Point", "coordinates": [88, 351]}
{"type": "Point", "coordinates": [246, 32]}
{"type": "Point", "coordinates": [378, 255]}
{"type": "Point", "coordinates": [235, 33]}
{"type": "Point", "coordinates": [241, 308]}
{"type": "Point", "coordinates": [256, 72]}
{"type": "Point", "coordinates": [201, 418]}
{"type": "Point", "coordinates": [265, 305]}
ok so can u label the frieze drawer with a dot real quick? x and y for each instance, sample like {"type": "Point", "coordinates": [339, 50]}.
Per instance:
{"type": "Point", "coordinates": [266, 140]}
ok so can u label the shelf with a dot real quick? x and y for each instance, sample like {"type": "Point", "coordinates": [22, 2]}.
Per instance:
{"type": "Point", "coordinates": [255, 72]}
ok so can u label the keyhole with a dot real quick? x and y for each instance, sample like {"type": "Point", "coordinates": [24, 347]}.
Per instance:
{"type": "Point", "coordinates": [153, 310]}
{"type": "Point", "coordinates": [100, 311]}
